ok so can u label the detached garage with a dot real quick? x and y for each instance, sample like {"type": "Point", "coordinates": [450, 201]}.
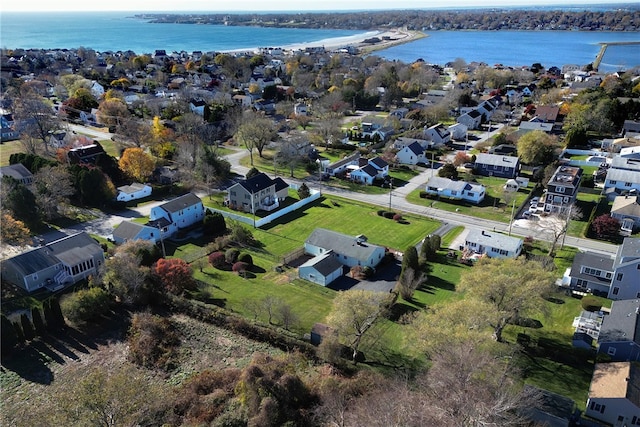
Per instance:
{"type": "Point", "coordinates": [322, 269]}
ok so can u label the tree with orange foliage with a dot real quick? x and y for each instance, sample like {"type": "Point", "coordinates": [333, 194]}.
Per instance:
{"type": "Point", "coordinates": [13, 231]}
{"type": "Point", "coordinates": [136, 163]}
{"type": "Point", "coordinates": [175, 275]}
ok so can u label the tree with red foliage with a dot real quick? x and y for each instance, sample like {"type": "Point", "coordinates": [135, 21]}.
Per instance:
{"type": "Point", "coordinates": [175, 275]}
{"type": "Point", "coordinates": [461, 158]}
{"type": "Point", "coordinates": [605, 226]}
{"type": "Point", "coordinates": [217, 259]}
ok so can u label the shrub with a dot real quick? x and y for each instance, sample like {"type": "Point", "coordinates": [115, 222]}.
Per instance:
{"type": "Point", "coordinates": [38, 324]}
{"type": "Point", "coordinates": [27, 327]}
{"type": "Point", "coordinates": [240, 267]}
{"type": "Point", "coordinates": [86, 304]}
{"type": "Point", "coordinates": [231, 255]}
{"type": "Point", "coordinates": [591, 303]}
{"type": "Point", "coordinates": [152, 341]}
{"type": "Point", "coordinates": [303, 191]}
{"type": "Point", "coordinates": [246, 258]}
{"type": "Point", "coordinates": [217, 259]}
{"type": "Point", "coordinates": [424, 194]}
{"type": "Point", "coordinates": [397, 217]}
{"type": "Point", "coordinates": [381, 212]}
{"type": "Point", "coordinates": [389, 215]}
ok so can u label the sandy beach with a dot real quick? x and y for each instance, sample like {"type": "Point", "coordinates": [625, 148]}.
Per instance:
{"type": "Point", "coordinates": [387, 38]}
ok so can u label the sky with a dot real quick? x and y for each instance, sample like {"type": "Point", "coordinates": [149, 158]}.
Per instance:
{"type": "Point", "coordinates": [269, 5]}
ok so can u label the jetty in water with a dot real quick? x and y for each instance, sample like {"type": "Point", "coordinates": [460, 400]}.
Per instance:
{"type": "Point", "coordinates": [603, 49]}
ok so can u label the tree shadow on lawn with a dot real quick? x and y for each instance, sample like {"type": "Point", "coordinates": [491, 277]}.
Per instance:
{"type": "Point", "coordinates": [437, 282]}
{"type": "Point", "coordinates": [398, 310]}
{"type": "Point", "coordinates": [392, 360]}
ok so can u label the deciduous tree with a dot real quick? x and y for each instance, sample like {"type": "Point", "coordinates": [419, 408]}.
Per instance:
{"type": "Point", "coordinates": [606, 226]}
{"type": "Point", "coordinates": [255, 133]}
{"type": "Point", "coordinates": [355, 312]}
{"type": "Point", "coordinates": [536, 147]}
{"type": "Point", "coordinates": [175, 275]}
{"type": "Point", "coordinates": [52, 187]}
{"type": "Point", "coordinates": [514, 288]}
{"type": "Point", "coordinates": [13, 231]}
{"type": "Point", "coordinates": [137, 164]}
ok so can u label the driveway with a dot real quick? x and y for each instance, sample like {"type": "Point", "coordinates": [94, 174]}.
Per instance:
{"type": "Point", "coordinates": [384, 279]}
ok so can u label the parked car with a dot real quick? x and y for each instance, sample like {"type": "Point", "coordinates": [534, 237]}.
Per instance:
{"type": "Point", "coordinates": [534, 200]}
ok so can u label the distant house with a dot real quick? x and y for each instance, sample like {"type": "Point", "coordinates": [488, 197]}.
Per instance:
{"type": "Point", "coordinates": [381, 166]}
{"type": "Point", "coordinates": [411, 154]}
{"type": "Point", "coordinates": [536, 125]}
{"type": "Point", "coordinates": [86, 154]}
{"type": "Point", "coordinates": [497, 165]}
{"type": "Point", "coordinates": [438, 134]}
{"type": "Point", "coordinates": [348, 250]}
{"type": "Point", "coordinates": [614, 394]}
{"type": "Point", "coordinates": [177, 214]}
{"type": "Point", "coordinates": [133, 191]}
{"type": "Point", "coordinates": [55, 264]}
{"type": "Point", "coordinates": [300, 109]}
{"type": "Point", "coordinates": [18, 172]}
{"type": "Point", "coordinates": [8, 131]}
{"type": "Point", "coordinates": [197, 106]}
{"type": "Point", "coordinates": [492, 244]}
{"type": "Point", "coordinates": [456, 190]}
{"type": "Point", "coordinates": [257, 193]}
{"type": "Point", "coordinates": [59, 139]}
{"type": "Point", "coordinates": [619, 336]}
{"type": "Point", "coordinates": [321, 269]}
{"type": "Point", "coordinates": [472, 119]}
{"type": "Point", "coordinates": [630, 128]}
{"type": "Point", "coordinates": [626, 209]}
{"type": "Point", "coordinates": [341, 165]}
{"type": "Point", "coordinates": [402, 142]}
{"type": "Point", "coordinates": [562, 189]}
{"type": "Point", "coordinates": [458, 131]}
{"type": "Point", "coordinates": [363, 175]}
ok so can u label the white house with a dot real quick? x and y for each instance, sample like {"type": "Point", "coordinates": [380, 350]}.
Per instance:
{"type": "Point", "coordinates": [364, 175]}
{"type": "Point", "coordinates": [613, 394]}
{"type": "Point", "coordinates": [341, 165]}
{"type": "Point", "coordinates": [411, 154]}
{"type": "Point", "coordinates": [472, 119]}
{"type": "Point", "coordinates": [96, 89]}
{"type": "Point", "coordinates": [322, 269]}
{"type": "Point", "coordinates": [619, 181]}
{"type": "Point", "coordinates": [626, 209]}
{"type": "Point", "coordinates": [456, 190]}
{"type": "Point", "coordinates": [129, 230]}
{"type": "Point", "coordinates": [133, 192]}
{"type": "Point", "coordinates": [494, 245]}
{"type": "Point", "coordinates": [458, 131]}
{"type": "Point", "coordinates": [402, 142]}
{"type": "Point", "coordinates": [438, 134]}
{"type": "Point", "coordinates": [349, 250]}
{"type": "Point", "coordinates": [300, 109]}
{"type": "Point", "coordinates": [177, 214]}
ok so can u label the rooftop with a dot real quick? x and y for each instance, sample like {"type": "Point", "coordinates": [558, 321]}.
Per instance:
{"type": "Point", "coordinates": [616, 380]}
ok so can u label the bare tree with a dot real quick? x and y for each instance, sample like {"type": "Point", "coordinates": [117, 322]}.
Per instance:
{"type": "Point", "coordinates": [255, 133]}
{"type": "Point", "coordinates": [286, 315]}
{"type": "Point", "coordinates": [52, 187]}
{"type": "Point", "coordinates": [556, 225]}
{"type": "Point", "coordinates": [36, 121]}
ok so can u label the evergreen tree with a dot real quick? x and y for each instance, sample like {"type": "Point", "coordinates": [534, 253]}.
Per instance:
{"type": "Point", "coordinates": [8, 336]}
{"type": "Point", "coordinates": [27, 327]}
{"type": "Point", "coordinates": [48, 314]}
{"type": "Point", "coordinates": [38, 324]}
{"type": "Point", "coordinates": [56, 311]}
{"type": "Point", "coordinates": [19, 334]}
{"type": "Point", "coordinates": [410, 259]}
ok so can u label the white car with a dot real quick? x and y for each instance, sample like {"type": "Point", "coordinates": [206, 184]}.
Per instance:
{"type": "Point", "coordinates": [534, 200]}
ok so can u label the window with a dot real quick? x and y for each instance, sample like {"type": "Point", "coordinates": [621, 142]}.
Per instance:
{"type": "Point", "coordinates": [611, 351]}
{"type": "Point", "coordinates": [616, 290]}
{"type": "Point", "coordinates": [592, 271]}
{"type": "Point", "coordinates": [627, 184]}
{"type": "Point", "coordinates": [619, 276]}
{"type": "Point", "coordinates": [613, 182]}
{"type": "Point", "coordinates": [633, 420]}
{"type": "Point", "coordinates": [559, 189]}
{"type": "Point", "coordinates": [608, 275]}
{"type": "Point", "coordinates": [233, 193]}
{"type": "Point", "coordinates": [602, 409]}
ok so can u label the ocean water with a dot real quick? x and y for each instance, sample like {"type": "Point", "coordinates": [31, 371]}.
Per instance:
{"type": "Point", "coordinates": [517, 48]}
{"type": "Point", "coordinates": [113, 31]}
{"type": "Point", "coordinates": [121, 31]}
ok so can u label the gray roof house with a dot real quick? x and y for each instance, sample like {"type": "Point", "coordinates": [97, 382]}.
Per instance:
{"type": "Point", "coordinates": [591, 272]}
{"type": "Point", "coordinates": [494, 245]}
{"type": "Point", "coordinates": [129, 230]}
{"type": "Point", "coordinates": [621, 181]}
{"type": "Point", "coordinates": [497, 165]}
{"type": "Point", "coordinates": [626, 209]}
{"type": "Point", "coordinates": [626, 273]}
{"type": "Point", "coordinates": [349, 250]}
{"type": "Point", "coordinates": [67, 260]}
{"type": "Point", "coordinates": [18, 172]}
{"type": "Point", "coordinates": [321, 269]}
{"type": "Point", "coordinates": [620, 331]}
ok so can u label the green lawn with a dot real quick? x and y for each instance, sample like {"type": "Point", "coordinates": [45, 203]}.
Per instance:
{"type": "Point", "coordinates": [8, 148]}
{"type": "Point", "coordinates": [586, 203]}
{"type": "Point", "coordinates": [492, 207]}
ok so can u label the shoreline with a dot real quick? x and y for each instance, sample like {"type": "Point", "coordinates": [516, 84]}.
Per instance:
{"type": "Point", "coordinates": [387, 39]}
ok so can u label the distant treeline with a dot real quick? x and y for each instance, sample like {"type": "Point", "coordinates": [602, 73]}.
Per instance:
{"type": "Point", "coordinates": [622, 19]}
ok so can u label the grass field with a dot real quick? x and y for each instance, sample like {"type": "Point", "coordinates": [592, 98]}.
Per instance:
{"type": "Point", "coordinates": [8, 148]}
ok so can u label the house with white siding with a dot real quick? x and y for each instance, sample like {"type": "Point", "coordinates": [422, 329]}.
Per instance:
{"type": "Point", "coordinates": [455, 190]}
{"type": "Point", "coordinates": [614, 394]}
{"type": "Point", "coordinates": [177, 214]}
{"type": "Point", "coordinates": [322, 269]}
{"type": "Point", "coordinates": [492, 244]}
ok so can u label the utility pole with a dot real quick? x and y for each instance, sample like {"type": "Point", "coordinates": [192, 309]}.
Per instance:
{"type": "Point", "coordinates": [390, 191]}
{"type": "Point", "coordinates": [566, 226]}
{"type": "Point", "coordinates": [513, 208]}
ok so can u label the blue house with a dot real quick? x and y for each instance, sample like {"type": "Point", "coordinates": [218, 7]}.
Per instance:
{"type": "Point", "coordinates": [348, 250]}
{"type": "Point", "coordinates": [619, 336]}
{"type": "Point", "coordinates": [497, 165]}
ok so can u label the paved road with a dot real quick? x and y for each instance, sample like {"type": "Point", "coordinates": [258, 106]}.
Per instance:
{"type": "Point", "coordinates": [521, 228]}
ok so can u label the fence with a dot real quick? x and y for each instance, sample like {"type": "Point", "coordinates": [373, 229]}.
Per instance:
{"type": "Point", "coordinates": [315, 195]}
